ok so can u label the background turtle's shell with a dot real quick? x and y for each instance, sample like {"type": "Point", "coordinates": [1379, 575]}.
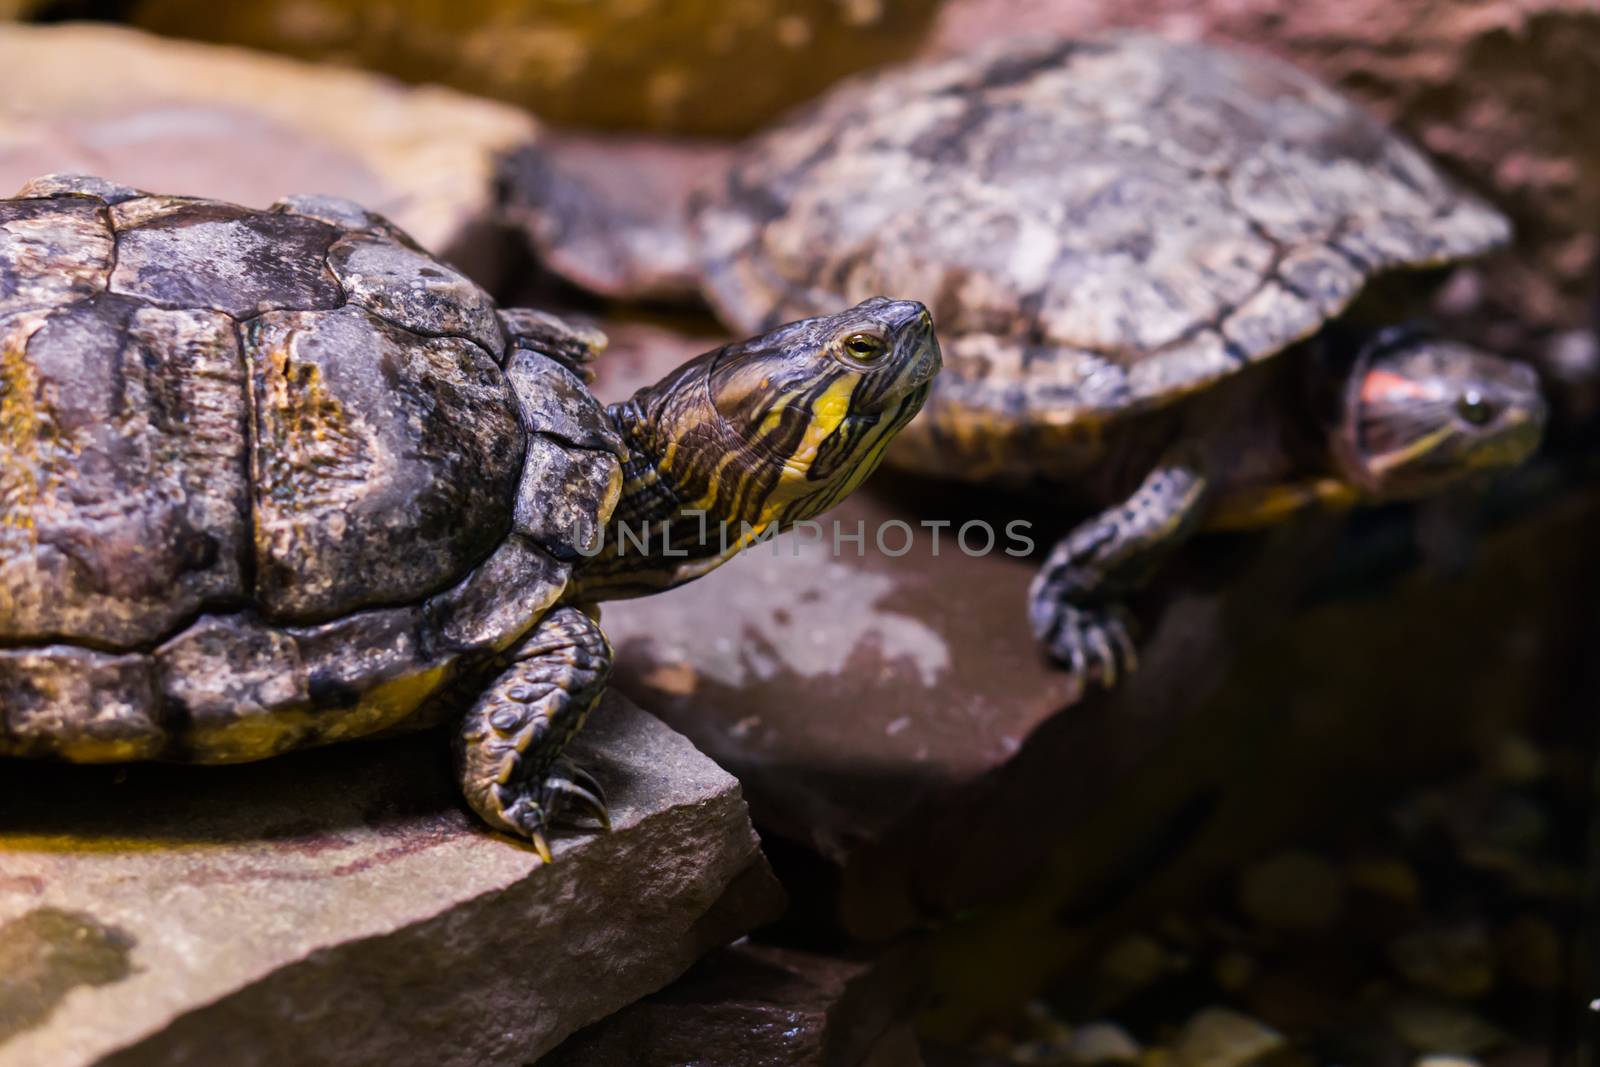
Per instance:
{"type": "Point", "coordinates": [262, 462]}
{"type": "Point", "coordinates": [1099, 226]}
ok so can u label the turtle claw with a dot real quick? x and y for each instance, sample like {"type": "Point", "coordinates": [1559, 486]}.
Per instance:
{"type": "Point", "coordinates": [568, 783]}
{"type": "Point", "coordinates": [1092, 644]}
{"type": "Point", "coordinates": [542, 847]}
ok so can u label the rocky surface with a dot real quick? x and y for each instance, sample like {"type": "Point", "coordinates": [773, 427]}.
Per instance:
{"type": "Point", "coordinates": [183, 118]}
{"type": "Point", "coordinates": [341, 906]}
{"type": "Point", "coordinates": [693, 66]}
{"type": "Point", "coordinates": [756, 1004]}
{"type": "Point", "coordinates": [1499, 90]}
{"type": "Point", "coordinates": [1444, 928]}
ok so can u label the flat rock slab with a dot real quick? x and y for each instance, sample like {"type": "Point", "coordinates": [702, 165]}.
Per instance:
{"type": "Point", "coordinates": [748, 1004]}
{"type": "Point", "coordinates": [662, 64]}
{"type": "Point", "coordinates": [340, 906]}
{"type": "Point", "coordinates": [180, 118]}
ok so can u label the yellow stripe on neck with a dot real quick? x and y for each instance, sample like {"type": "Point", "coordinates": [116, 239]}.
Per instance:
{"type": "Point", "coordinates": [827, 412]}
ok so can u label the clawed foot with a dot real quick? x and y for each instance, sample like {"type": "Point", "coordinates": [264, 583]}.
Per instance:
{"type": "Point", "coordinates": [530, 807]}
{"type": "Point", "coordinates": [1092, 643]}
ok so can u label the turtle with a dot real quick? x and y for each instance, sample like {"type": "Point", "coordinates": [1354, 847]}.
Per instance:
{"type": "Point", "coordinates": [279, 478]}
{"type": "Point", "coordinates": [1116, 235]}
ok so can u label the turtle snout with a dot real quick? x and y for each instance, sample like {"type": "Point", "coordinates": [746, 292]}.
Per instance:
{"type": "Point", "coordinates": [929, 361]}
{"type": "Point", "coordinates": [920, 343]}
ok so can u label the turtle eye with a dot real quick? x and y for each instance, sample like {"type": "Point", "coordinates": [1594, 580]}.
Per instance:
{"type": "Point", "coordinates": [865, 346]}
{"type": "Point", "coordinates": [1474, 408]}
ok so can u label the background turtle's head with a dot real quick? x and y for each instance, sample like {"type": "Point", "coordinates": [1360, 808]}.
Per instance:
{"type": "Point", "coordinates": [810, 407]}
{"type": "Point", "coordinates": [1420, 412]}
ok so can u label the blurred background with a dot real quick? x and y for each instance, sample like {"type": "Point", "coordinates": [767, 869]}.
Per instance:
{"type": "Point", "coordinates": [1341, 817]}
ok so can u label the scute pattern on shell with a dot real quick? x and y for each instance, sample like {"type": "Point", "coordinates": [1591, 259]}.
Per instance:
{"type": "Point", "coordinates": [258, 473]}
{"type": "Point", "coordinates": [1161, 214]}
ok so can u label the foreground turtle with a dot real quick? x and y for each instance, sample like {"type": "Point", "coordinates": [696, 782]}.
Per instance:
{"type": "Point", "coordinates": [278, 478]}
{"type": "Point", "coordinates": [1114, 236]}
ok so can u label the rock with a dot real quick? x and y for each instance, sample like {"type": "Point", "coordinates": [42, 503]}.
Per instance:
{"type": "Point", "coordinates": [611, 214]}
{"type": "Point", "coordinates": [1101, 1042]}
{"type": "Point", "coordinates": [1456, 961]}
{"type": "Point", "coordinates": [1292, 890]}
{"type": "Point", "coordinates": [174, 117]}
{"type": "Point", "coordinates": [706, 68]}
{"type": "Point", "coordinates": [1433, 1024]}
{"type": "Point", "coordinates": [340, 906]}
{"type": "Point", "coordinates": [1445, 1061]}
{"type": "Point", "coordinates": [1220, 1037]}
{"type": "Point", "coordinates": [797, 1008]}
{"type": "Point", "coordinates": [1499, 90]}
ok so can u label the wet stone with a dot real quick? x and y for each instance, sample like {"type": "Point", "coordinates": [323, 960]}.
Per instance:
{"type": "Point", "coordinates": [1219, 1037]}
{"type": "Point", "coordinates": [152, 113]}
{"type": "Point", "coordinates": [1101, 1043]}
{"type": "Point", "coordinates": [797, 1008]}
{"type": "Point", "coordinates": [268, 913]}
{"type": "Point", "coordinates": [1436, 1024]}
{"type": "Point", "coordinates": [1455, 961]}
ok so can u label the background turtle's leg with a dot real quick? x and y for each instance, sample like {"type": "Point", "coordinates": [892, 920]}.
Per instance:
{"type": "Point", "coordinates": [509, 746]}
{"type": "Point", "coordinates": [1072, 602]}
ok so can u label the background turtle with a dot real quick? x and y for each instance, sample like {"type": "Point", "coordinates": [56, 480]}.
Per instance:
{"type": "Point", "coordinates": [278, 478]}
{"type": "Point", "coordinates": [1102, 228]}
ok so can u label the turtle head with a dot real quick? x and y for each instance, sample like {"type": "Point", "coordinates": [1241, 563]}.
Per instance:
{"type": "Point", "coordinates": [742, 442]}
{"type": "Point", "coordinates": [1420, 412]}
{"type": "Point", "coordinates": [808, 409]}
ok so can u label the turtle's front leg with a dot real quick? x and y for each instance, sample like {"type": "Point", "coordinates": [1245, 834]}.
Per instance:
{"type": "Point", "coordinates": [1072, 602]}
{"type": "Point", "coordinates": [509, 746]}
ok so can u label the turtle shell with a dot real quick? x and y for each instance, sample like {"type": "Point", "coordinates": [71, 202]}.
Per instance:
{"type": "Point", "coordinates": [1099, 226]}
{"type": "Point", "coordinates": [268, 476]}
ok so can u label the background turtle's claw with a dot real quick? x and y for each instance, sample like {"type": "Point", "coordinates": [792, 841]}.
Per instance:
{"type": "Point", "coordinates": [1095, 644]}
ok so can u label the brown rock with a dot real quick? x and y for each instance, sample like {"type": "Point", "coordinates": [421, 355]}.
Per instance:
{"type": "Point", "coordinates": [339, 906]}
{"type": "Point", "coordinates": [1501, 91]}
{"type": "Point", "coordinates": [694, 66]}
{"type": "Point", "coordinates": [1433, 1024]}
{"type": "Point", "coordinates": [1218, 1037]}
{"type": "Point", "coordinates": [753, 1004]}
{"type": "Point", "coordinates": [1457, 961]}
{"type": "Point", "coordinates": [220, 122]}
